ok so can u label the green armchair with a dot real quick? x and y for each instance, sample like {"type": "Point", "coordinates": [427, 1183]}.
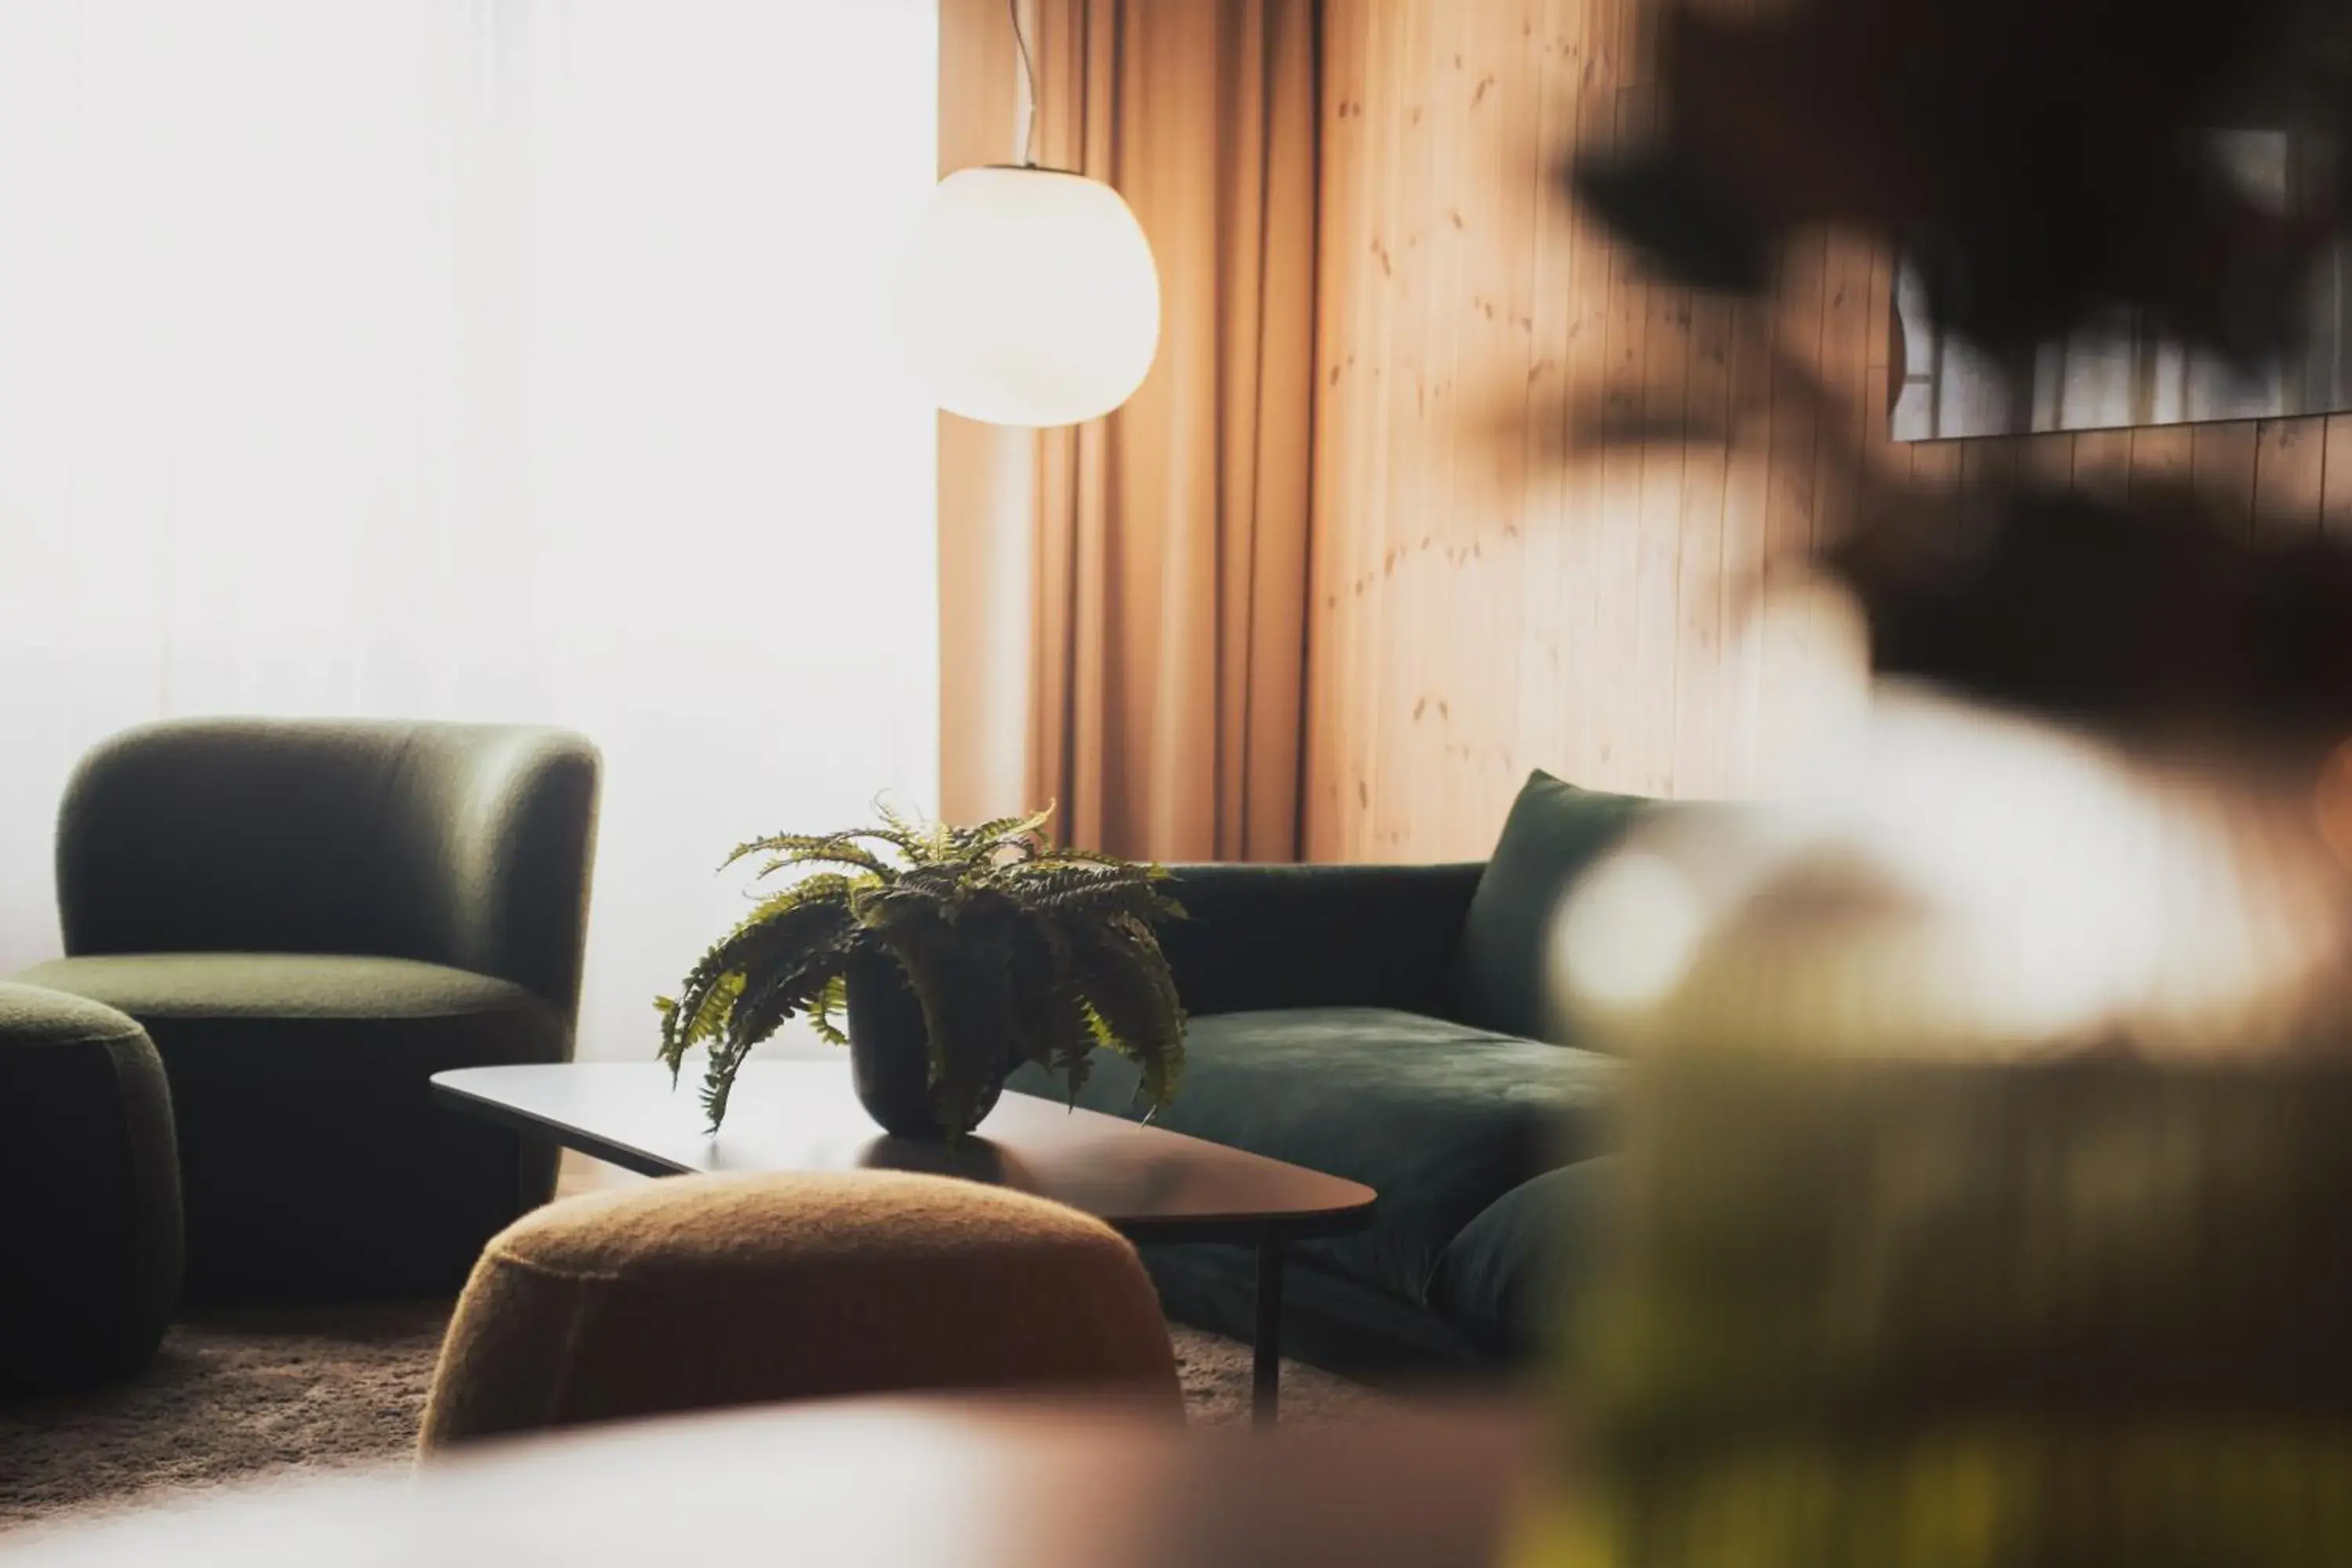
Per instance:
{"type": "Point", "coordinates": [309, 919]}
{"type": "Point", "coordinates": [1396, 1025]}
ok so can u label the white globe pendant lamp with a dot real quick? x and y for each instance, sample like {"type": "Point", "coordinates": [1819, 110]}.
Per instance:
{"type": "Point", "coordinates": [1041, 298]}
{"type": "Point", "coordinates": [1045, 298]}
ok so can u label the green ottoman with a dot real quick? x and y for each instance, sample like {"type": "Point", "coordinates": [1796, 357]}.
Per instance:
{"type": "Point", "coordinates": [89, 1192]}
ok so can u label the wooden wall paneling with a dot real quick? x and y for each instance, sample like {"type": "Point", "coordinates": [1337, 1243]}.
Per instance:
{"type": "Point", "coordinates": [2221, 466]}
{"type": "Point", "coordinates": [1393, 647]}
{"type": "Point", "coordinates": [2103, 462]}
{"type": "Point", "coordinates": [1746, 469]}
{"type": "Point", "coordinates": [1595, 262]}
{"type": "Point", "coordinates": [1658, 539]}
{"type": "Point", "coordinates": [1465, 504]}
{"type": "Point", "coordinates": [1878, 453]}
{"type": "Point", "coordinates": [1401, 652]}
{"type": "Point", "coordinates": [1544, 648]}
{"type": "Point", "coordinates": [1938, 467]}
{"type": "Point", "coordinates": [2336, 477]}
{"type": "Point", "coordinates": [1448, 316]}
{"type": "Point", "coordinates": [1520, 185]}
{"type": "Point", "coordinates": [2290, 471]}
{"type": "Point", "coordinates": [1787, 642]}
{"type": "Point", "coordinates": [1610, 701]}
{"type": "Point", "coordinates": [1471, 681]}
{"type": "Point", "coordinates": [1988, 465]}
{"type": "Point", "coordinates": [1445, 517]}
{"type": "Point", "coordinates": [1847, 441]}
{"type": "Point", "coordinates": [2047, 460]}
{"type": "Point", "coordinates": [1373, 269]}
{"type": "Point", "coordinates": [1746, 540]}
{"type": "Point", "coordinates": [1663, 376]}
{"type": "Point", "coordinates": [1587, 615]}
{"type": "Point", "coordinates": [1696, 749]}
{"type": "Point", "coordinates": [1334, 546]}
{"type": "Point", "coordinates": [1879, 331]}
{"type": "Point", "coordinates": [1818, 433]}
{"type": "Point", "coordinates": [1502, 83]}
{"type": "Point", "coordinates": [2161, 455]}
{"type": "Point", "coordinates": [1850, 266]}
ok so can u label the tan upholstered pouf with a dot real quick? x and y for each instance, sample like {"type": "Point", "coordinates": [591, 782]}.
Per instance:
{"type": "Point", "coordinates": [697, 1291]}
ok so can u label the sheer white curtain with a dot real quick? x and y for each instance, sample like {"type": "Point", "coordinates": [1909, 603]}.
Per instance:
{"type": "Point", "coordinates": [486, 359]}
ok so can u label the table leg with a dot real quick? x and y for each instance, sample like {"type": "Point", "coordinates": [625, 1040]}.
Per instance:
{"type": "Point", "coordinates": [1266, 1367]}
{"type": "Point", "coordinates": [538, 1164]}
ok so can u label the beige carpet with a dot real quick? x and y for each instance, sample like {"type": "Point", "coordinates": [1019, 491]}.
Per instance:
{"type": "Point", "coordinates": [235, 1398]}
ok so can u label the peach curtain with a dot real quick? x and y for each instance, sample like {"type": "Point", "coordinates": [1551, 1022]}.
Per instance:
{"type": "Point", "coordinates": [1124, 602]}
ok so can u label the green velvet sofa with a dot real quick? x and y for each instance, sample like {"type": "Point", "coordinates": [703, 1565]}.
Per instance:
{"type": "Point", "coordinates": [1395, 1025]}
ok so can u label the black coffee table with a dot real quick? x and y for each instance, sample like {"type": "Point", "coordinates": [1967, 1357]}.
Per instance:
{"type": "Point", "coordinates": [1147, 1183]}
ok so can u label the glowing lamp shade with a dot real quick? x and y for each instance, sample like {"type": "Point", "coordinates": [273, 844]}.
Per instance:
{"type": "Point", "coordinates": [1040, 300]}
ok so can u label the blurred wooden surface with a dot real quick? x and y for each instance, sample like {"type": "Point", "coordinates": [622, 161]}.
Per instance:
{"type": "Point", "coordinates": [937, 1483]}
{"type": "Point", "coordinates": [1481, 606]}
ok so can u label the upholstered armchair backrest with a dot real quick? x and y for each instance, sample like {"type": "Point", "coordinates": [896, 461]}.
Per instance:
{"type": "Point", "coordinates": [466, 845]}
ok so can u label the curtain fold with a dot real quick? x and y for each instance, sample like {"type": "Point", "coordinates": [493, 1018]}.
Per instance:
{"type": "Point", "coordinates": [1167, 544]}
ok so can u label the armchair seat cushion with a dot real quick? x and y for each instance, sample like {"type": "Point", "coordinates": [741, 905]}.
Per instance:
{"type": "Point", "coordinates": [280, 985]}
{"type": "Point", "coordinates": [1439, 1117]}
{"type": "Point", "coordinates": [314, 1162]}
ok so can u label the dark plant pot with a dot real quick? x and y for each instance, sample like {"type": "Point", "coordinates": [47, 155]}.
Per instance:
{"type": "Point", "coordinates": [889, 1057]}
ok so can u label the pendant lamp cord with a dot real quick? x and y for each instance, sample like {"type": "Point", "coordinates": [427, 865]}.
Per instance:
{"type": "Point", "coordinates": [1029, 69]}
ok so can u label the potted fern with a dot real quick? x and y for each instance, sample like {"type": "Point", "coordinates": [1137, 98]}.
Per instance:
{"type": "Point", "coordinates": [942, 957]}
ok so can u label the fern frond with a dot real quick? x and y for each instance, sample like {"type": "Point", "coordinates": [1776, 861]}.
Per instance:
{"type": "Point", "coordinates": [980, 842]}
{"type": "Point", "coordinates": [782, 928]}
{"type": "Point", "coordinates": [759, 1011]}
{"type": "Point", "coordinates": [922, 843]}
{"type": "Point", "coordinates": [719, 1082]}
{"type": "Point", "coordinates": [825, 888]}
{"type": "Point", "coordinates": [846, 848]}
{"type": "Point", "coordinates": [775, 844]}
{"type": "Point", "coordinates": [779, 935]}
{"type": "Point", "coordinates": [1124, 977]}
{"type": "Point", "coordinates": [1069, 893]}
{"type": "Point", "coordinates": [698, 1013]}
{"type": "Point", "coordinates": [1066, 852]}
{"type": "Point", "coordinates": [831, 1003]}
{"type": "Point", "coordinates": [1051, 874]}
{"type": "Point", "coordinates": [843, 854]}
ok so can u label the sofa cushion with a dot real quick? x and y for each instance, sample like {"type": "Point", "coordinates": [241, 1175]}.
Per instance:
{"type": "Point", "coordinates": [315, 1164]}
{"type": "Point", "coordinates": [1509, 1281]}
{"type": "Point", "coordinates": [1439, 1118]}
{"type": "Point", "coordinates": [1503, 977]}
{"type": "Point", "coordinates": [275, 986]}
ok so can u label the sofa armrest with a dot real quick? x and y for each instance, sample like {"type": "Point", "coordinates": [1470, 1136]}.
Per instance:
{"type": "Point", "coordinates": [1317, 936]}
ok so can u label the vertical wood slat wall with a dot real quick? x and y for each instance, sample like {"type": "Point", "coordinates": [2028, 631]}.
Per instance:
{"type": "Point", "coordinates": [1482, 607]}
